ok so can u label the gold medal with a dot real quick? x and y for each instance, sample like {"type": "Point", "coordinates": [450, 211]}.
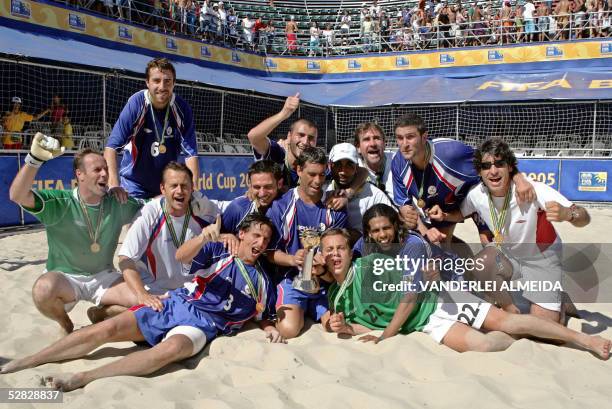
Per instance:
{"type": "Point", "coordinates": [162, 148]}
{"type": "Point", "coordinates": [95, 248]}
{"type": "Point", "coordinates": [498, 238]}
{"type": "Point", "coordinates": [421, 203]}
{"type": "Point", "coordinates": [259, 307]}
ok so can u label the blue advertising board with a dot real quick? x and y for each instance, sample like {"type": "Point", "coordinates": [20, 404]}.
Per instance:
{"type": "Point", "coordinates": [541, 170]}
{"type": "Point", "coordinates": [10, 213]}
{"type": "Point", "coordinates": [221, 178]}
{"type": "Point", "coordinates": [586, 180]}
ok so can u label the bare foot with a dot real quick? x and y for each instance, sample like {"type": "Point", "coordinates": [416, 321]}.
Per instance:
{"type": "Point", "coordinates": [600, 346]}
{"type": "Point", "coordinates": [66, 382]}
{"type": "Point", "coordinates": [12, 366]}
{"type": "Point", "coordinates": [99, 314]}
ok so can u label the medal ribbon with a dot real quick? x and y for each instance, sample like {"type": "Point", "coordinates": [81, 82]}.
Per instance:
{"type": "Point", "coordinates": [93, 234]}
{"type": "Point", "coordinates": [427, 154]}
{"type": "Point", "coordinates": [170, 225]}
{"type": "Point", "coordinates": [257, 295]}
{"type": "Point", "coordinates": [347, 281]}
{"type": "Point", "coordinates": [161, 142]}
{"type": "Point", "coordinates": [499, 220]}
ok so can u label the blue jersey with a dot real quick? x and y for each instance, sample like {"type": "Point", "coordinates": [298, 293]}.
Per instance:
{"type": "Point", "coordinates": [235, 212]}
{"type": "Point", "coordinates": [277, 154]}
{"type": "Point", "coordinates": [220, 291]}
{"type": "Point", "coordinates": [292, 217]}
{"type": "Point", "coordinates": [135, 133]}
{"type": "Point", "coordinates": [447, 178]}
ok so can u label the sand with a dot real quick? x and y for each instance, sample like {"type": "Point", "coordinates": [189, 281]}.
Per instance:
{"type": "Point", "coordinates": [316, 369]}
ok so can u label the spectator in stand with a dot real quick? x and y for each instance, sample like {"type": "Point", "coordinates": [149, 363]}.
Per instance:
{"type": "Point", "coordinates": [345, 27]}
{"type": "Point", "coordinates": [365, 11]}
{"type": "Point", "coordinates": [385, 27]}
{"type": "Point", "coordinates": [406, 17]}
{"type": "Point", "coordinates": [462, 22]}
{"type": "Point", "coordinates": [562, 12]}
{"type": "Point", "coordinates": [579, 10]}
{"type": "Point", "coordinates": [478, 26]}
{"type": "Point", "coordinates": [66, 140]}
{"type": "Point", "coordinates": [444, 26]}
{"type": "Point", "coordinates": [366, 33]}
{"type": "Point", "coordinates": [247, 30]}
{"type": "Point", "coordinates": [314, 39]}
{"type": "Point", "coordinates": [190, 16]}
{"type": "Point", "coordinates": [528, 17]}
{"type": "Point", "coordinates": [232, 26]}
{"type": "Point", "coordinates": [13, 123]}
{"type": "Point", "coordinates": [396, 37]}
{"type": "Point", "coordinates": [591, 10]}
{"type": "Point", "coordinates": [518, 23]}
{"type": "Point", "coordinates": [328, 39]}
{"type": "Point", "coordinates": [222, 27]}
{"type": "Point", "coordinates": [291, 31]}
{"type": "Point", "coordinates": [507, 23]}
{"type": "Point", "coordinates": [204, 19]}
{"type": "Point", "coordinates": [58, 110]}
{"type": "Point", "coordinates": [543, 13]}
{"type": "Point", "coordinates": [258, 29]}
{"type": "Point", "coordinates": [375, 9]}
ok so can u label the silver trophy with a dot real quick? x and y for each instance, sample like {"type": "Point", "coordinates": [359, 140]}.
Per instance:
{"type": "Point", "coordinates": [305, 281]}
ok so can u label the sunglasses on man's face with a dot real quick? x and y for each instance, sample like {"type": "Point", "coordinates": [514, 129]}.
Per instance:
{"type": "Point", "coordinates": [500, 163]}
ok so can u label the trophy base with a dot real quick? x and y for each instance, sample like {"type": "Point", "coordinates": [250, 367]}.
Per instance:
{"type": "Point", "coordinates": [308, 286]}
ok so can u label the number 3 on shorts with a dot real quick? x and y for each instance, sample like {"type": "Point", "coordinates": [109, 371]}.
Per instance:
{"type": "Point", "coordinates": [469, 314]}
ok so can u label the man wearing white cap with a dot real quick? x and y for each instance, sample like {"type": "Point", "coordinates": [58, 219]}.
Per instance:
{"type": "Point", "coordinates": [344, 162]}
{"type": "Point", "coordinates": [13, 123]}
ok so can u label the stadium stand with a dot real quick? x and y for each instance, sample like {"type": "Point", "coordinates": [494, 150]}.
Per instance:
{"type": "Point", "coordinates": [393, 25]}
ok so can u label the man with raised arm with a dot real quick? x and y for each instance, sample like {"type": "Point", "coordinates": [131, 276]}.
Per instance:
{"type": "Point", "coordinates": [154, 128]}
{"type": "Point", "coordinates": [226, 292]}
{"type": "Point", "coordinates": [83, 227]}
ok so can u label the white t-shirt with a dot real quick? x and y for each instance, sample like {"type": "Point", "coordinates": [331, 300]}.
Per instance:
{"type": "Point", "coordinates": [525, 224]}
{"type": "Point", "coordinates": [528, 10]}
{"type": "Point", "coordinates": [387, 177]}
{"type": "Point", "coordinates": [365, 198]}
{"type": "Point", "coordinates": [148, 242]}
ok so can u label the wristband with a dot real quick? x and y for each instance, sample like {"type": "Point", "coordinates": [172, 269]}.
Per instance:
{"type": "Point", "coordinates": [574, 214]}
{"type": "Point", "coordinates": [33, 161]}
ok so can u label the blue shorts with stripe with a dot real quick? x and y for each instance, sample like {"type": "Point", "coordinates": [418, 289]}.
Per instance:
{"type": "Point", "coordinates": [314, 305]}
{"type": "Point", "coordinates": [155, 325]}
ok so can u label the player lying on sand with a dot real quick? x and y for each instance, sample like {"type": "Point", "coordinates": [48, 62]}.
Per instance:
{"type": "Point", "coordinates": [191, 316]}
{"type": "Point", "coordinates": [447, 323]}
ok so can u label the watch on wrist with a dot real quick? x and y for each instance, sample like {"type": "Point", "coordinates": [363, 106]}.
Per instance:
{"type": "Point", "coordinates": [574, 213]}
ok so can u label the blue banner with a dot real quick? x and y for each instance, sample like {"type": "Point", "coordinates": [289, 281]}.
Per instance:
{"type": "Point", "coordinates": [10, 213]}
{"type": "Point", "coordinates": [541, 170]}
{"type": "Point", "coordinates": [221, 178]}
{"type": "Point", "coordinates": [586, 180]}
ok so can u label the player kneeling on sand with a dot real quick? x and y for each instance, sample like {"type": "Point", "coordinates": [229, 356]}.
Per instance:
{"type": "Point", "coordinates": [454, 325]}
{"type": "Point", "coordinates": [83, 227]}
{"type": "Point", "coordinates": [227, 291]}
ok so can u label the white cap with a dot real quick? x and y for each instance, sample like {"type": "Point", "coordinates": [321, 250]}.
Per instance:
{"type": "Point", "coordinates": [16, 100]}
{"type": "Point", "coordinates": [344, 151]}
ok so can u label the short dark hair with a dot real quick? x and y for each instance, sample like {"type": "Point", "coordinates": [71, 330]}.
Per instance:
{"type": "Point", "coordinates": [312, 155]}
{"type": "Point", "coordinates": [77, 162]}
{"type": "Point", "coordinates": [363, 128]}
{"type": "Point", "coordinates": [305, 121]}
{"type": "Point", "coordinates": [381, 210]}
{"type": "Point", "coordinates": [411, 120]}
{"type": "Point", "coordinates": [177, 167]}
{"type": "Point", "coordinates": [265, 166]}
{"type": "Point", "coordinates": [496, 147]}
{"type": "Point", "coordinates": [334, 231]}
{"type": "Point", "coordinates": [255, 219]}
{"type": "Point", "coordinates": [161, 64]}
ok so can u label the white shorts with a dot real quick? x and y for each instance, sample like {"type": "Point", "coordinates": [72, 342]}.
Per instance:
{"type": "Point", "coordinates": [195, 335]}
{"type": "Point", "coordinates": [90, 288]}
{"type": "Point", "coordinates": [546, 268]}
{"type": "Point", "coordinates": [471, 313]}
